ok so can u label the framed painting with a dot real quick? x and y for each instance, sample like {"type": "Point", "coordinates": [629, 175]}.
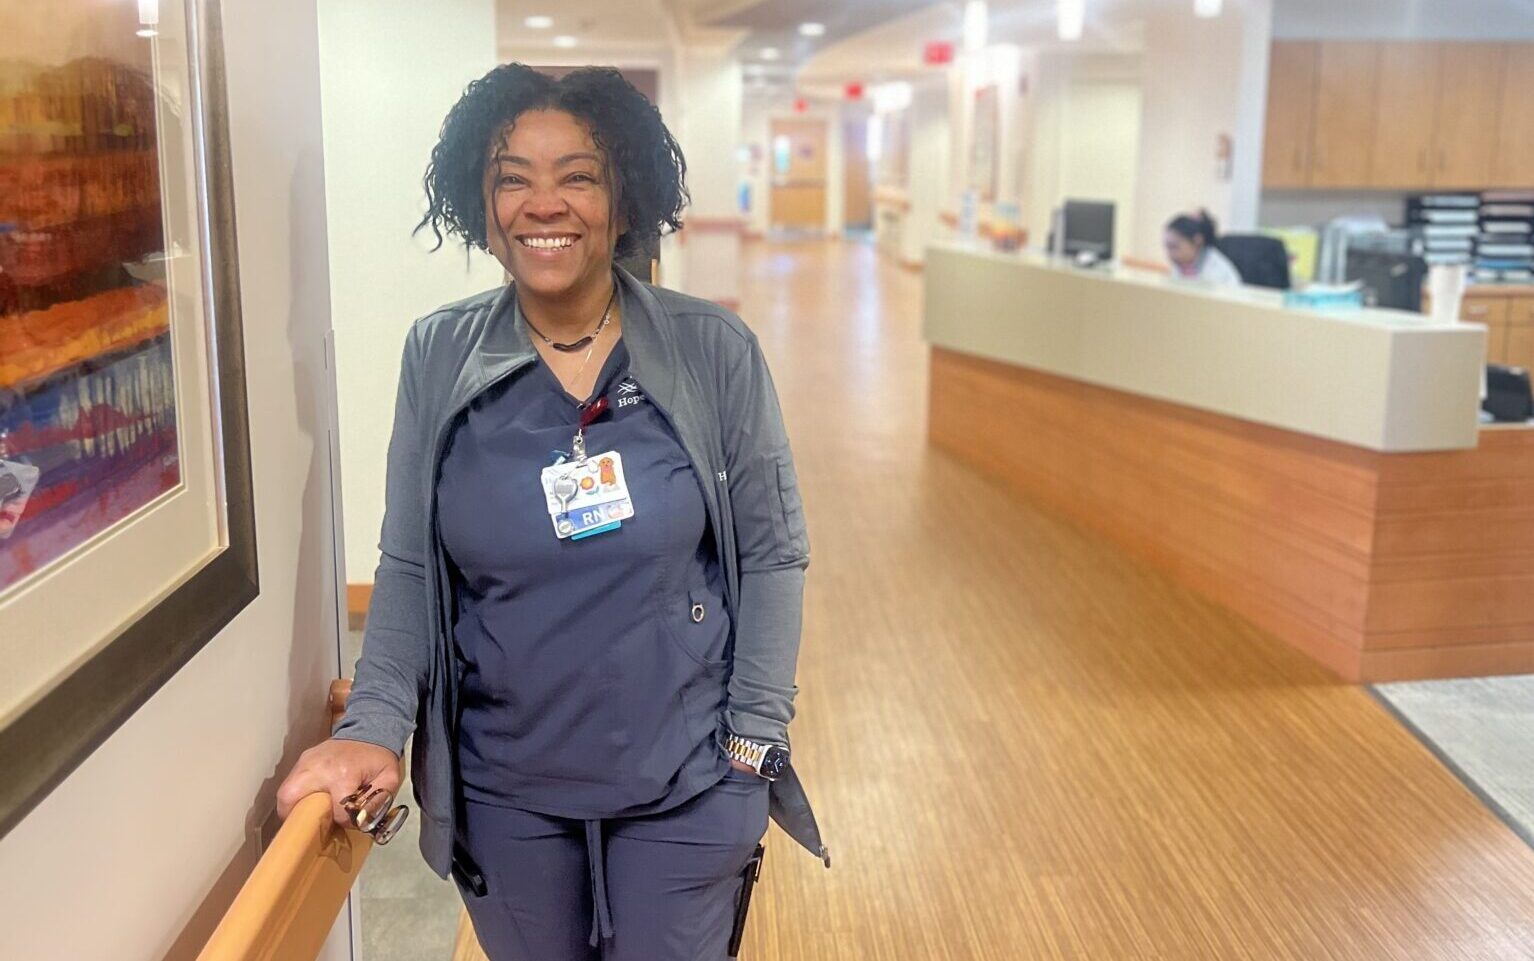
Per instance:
{"type": "Point", "coordinates": [127, 533]}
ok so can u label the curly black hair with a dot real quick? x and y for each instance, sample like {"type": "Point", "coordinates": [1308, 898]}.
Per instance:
{"type": "Point", "coordinates": [645, 164]}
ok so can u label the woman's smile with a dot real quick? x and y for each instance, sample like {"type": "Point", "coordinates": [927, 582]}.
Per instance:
{"type": "Point", "coordinates": [548, 244]}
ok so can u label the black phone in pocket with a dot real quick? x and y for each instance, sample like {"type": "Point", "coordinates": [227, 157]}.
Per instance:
{"type": "Point", "coordinates": [748, 877]}
{"type": "Point", "coordinates": [468, 874]}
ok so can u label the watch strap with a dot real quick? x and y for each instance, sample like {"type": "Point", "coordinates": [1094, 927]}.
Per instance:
{"type": "Point", "coordinates": [749, 753]}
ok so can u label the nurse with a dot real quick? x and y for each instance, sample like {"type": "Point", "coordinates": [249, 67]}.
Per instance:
{"type": "Point", "coordinates": [589, 602]}
{"type": "Point", "coordinates": [1190, 246]}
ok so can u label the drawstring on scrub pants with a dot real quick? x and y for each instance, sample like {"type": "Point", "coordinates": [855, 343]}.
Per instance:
{"type": "Point", "coordinates": [601, 913]}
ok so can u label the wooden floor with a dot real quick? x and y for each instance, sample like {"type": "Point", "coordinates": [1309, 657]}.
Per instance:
{"type": "Point", "coordinates": [1024, 745]}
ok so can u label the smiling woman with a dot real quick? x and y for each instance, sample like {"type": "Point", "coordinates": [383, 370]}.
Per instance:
{"type": "Point", "coordinates": [589, 602]}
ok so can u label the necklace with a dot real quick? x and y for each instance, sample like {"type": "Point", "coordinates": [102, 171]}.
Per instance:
{"type": "Point", "coordinates": [576, 379]}
{"type": "Point", "coordinates": [573, 346]}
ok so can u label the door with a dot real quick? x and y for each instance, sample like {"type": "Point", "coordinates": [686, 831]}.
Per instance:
{"type": "Point", "coordinates": [1469, 100]}
{"type": "Point", "coordinates": [1347, 82]}
{"type": "Point", "coordinates": [857, 207]}
{"type": "Point", "coordinates": [1099, 149]}
{"type": "Point", "coordinates": [1403, 126]}
{"type": "Point", "coordinates": [1514, 166]}
{"type": "Point", "coordinates": [798, 158]}
{"type": "Point", "coordinates": [1291, 114]}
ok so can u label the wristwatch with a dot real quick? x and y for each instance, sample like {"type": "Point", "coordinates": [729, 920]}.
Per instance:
{"type": "Point", "coordinates": [767, 760]}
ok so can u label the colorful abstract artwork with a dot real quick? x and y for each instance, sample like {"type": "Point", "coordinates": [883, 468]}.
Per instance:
{"type": "Point", "coordinates": [88, 431]}
{"type": "Point", "coordinates": [127, 512]}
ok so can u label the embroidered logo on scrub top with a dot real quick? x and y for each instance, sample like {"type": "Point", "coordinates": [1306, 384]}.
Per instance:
{"type": "Point", "coordinates": [628, 393]}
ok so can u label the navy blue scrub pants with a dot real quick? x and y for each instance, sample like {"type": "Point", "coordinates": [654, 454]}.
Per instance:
{"type": "Point", "coordinates": [656, 888]}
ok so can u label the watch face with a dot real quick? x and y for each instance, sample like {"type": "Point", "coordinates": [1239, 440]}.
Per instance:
{"type": "Point", "coordinates": [775, 763]}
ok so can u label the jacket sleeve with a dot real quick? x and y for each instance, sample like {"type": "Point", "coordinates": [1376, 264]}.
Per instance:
{"type": "Point", "coordinates": [396, 656]}
{"type": "Point", "coordinates": [773, 550]}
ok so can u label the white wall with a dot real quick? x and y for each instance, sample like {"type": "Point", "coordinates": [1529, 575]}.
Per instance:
{"type": "Point", "coordinates": [1080, 130]}
{"type": "Point", "coordinates": [1403, 20]}
{"type": "Point", "coordinates": [836, 172]}
{"type": "Point", "coordinates": [390, 71]}
{"type": "Point", "coordinates": [1099, 147]}
{"type": "Point", "coordinates": [929, 170]}
{"type": "Point", "coordinates": [137, 854]}
{"type": "Point", "coordinates": [1312, 208]}
{"type": "Point", "coordinates": [756, 133]}
{"type": "Point", "coordinates": [706, 120]}
{"type": "Point", "coordinates": [1201, 78]}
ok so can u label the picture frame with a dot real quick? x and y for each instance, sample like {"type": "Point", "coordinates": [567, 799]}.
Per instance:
{"type": "Point", "coordinates": [164, 579]}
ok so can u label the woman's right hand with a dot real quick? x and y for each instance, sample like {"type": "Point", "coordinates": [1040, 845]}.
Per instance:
{"type": "Point", "coordinates": [338, 767]}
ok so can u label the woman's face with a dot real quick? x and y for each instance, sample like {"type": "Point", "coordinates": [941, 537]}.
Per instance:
{"type": "Point", "coordinates": [1181, 251]}
{"type": "Point", "coordinates": [548, 204]}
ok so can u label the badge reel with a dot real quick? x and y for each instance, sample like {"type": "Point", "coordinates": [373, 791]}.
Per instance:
{"type": "Point", "coordinates": [587, 494]}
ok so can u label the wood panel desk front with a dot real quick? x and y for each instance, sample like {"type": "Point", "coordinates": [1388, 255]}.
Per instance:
{"type": "Point", "coordinates": [1381, 563]}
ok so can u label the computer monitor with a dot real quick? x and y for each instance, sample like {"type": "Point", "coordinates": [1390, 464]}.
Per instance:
{"type": "Point", "coordinates": [1087, 230]}
{"type": "Point", "coordinates": [1390, 279]}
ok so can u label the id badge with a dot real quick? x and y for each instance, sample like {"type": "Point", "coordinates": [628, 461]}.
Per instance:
{"type": "Point", "coordinates": [584, 497]}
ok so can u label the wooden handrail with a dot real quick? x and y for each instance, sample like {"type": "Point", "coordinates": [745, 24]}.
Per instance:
{"type": "Point", "coordinates": [340, 690]}
{"type": "Point", "coordinates": [291, 900]}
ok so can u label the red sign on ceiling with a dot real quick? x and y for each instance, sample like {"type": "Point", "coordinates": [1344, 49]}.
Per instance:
{"type": "Point", "coordinates": [935, 53]}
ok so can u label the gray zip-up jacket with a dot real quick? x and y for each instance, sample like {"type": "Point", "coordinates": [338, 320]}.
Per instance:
{"type": "Point", "coordinates": [702, 368]}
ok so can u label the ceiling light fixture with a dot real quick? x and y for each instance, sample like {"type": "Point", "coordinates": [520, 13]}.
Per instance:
{"type": "Point", "coordinates": [1207, 8]}
{"type": "Point", "coordinates": [1070, 18]}
{"type": "Point", "coordinates": [890, 97]}
{"type": "Point", "coordinates": [564, 41]}
{"type": "Point", "coordinates": [146, 32]}
{"type": "Point", "coordinates": [538, 23]}
{"type": "Point", "coordinates": [976, 25]}
{"type": "Point", "coordinates": [771, 53]}
{"type": "Point", "coordinates": [812, 29]}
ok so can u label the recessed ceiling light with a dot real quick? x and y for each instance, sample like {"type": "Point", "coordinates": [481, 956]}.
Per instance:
{"type": "Point", "coordinates": [564, 40]}
{"type": "Point", "coordinates": [976, 25]}
{"type": "Point", "coordinates": [538, 23]}
{"type": "Point", "coordinates": [1070, 18]}
{"type": "Point", "coordinates": [770, 53]}
{"type": "Point", "coordinates": [1206, 8]}
{"type": "Point", "coordinates": [812, 29]}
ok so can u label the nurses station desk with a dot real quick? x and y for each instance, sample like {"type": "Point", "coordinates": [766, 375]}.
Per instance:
{"type": "Point", "coordinates": [1322, 474]}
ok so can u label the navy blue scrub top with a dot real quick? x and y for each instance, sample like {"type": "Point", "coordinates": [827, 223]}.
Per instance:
{"type": "Point", "coordinates": [592, 672]}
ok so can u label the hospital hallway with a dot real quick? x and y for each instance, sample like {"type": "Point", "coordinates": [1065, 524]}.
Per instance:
{"type": "Point", "coordinates": [1023, 743]}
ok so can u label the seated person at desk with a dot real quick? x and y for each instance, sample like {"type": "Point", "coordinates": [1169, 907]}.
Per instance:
{"type": "Point", "coordinates": [1190, 247]}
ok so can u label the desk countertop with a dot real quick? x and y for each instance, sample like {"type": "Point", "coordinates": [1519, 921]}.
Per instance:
{"type": "Point", "coordinates": [1385, 380]}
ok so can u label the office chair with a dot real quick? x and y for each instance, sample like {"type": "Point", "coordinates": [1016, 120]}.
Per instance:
{"type": "Point", "coordinates": [1262, 261]}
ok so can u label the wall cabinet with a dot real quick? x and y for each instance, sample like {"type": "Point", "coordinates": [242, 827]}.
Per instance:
{"type": "Point", "coordinates": [1403, 154]}
{"type": "Point", "coordinates": [1465, 123]}
{"type": "Point", "coordinates": [1398, 115]}
{"type": "Point", "coordinates": [1515, 142]}
{"type": "Point", "coordinates": [1347, 85]}
{"type": "Point", "coordinates": [1291, 114]}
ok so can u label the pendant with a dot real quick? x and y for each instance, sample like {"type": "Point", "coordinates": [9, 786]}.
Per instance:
{"type": "Point", "coordinates": [573, 347]}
